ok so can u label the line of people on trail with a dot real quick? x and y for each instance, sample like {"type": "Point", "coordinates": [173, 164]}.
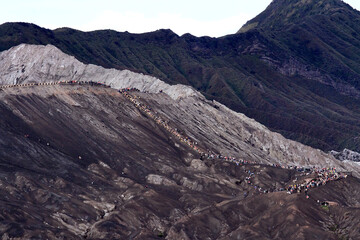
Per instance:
{"type": "Point", "coordinates": [71, 82]}
{"type": "Point", "coordinates": [323, 176]}
{"type": "Point", "coordinates": [249, 178]}
{"type": "Point", "coordinates": [159, 120]}
{"type": "Point", "coordinates": [212, 155]}
{"type": "Point", "coordinates": [123, 90]}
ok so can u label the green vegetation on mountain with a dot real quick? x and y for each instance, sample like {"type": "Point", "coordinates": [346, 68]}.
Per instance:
{"type": "Point", "coordinates": [294, 68]}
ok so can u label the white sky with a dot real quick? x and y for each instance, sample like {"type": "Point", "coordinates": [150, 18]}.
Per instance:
{"type": "Point", "coordinates": [199, 17]}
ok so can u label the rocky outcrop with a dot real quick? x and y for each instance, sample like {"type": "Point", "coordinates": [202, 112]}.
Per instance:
{"type": "Point", "coordinates": [159, 180]}
{"type": "Point", "coordinates": [346, 155]}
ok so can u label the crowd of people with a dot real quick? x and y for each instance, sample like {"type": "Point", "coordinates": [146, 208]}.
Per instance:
{"type": "Point", "coordinates": [318, 177]}
{"type": "Point", "coordinates": [321, 175]}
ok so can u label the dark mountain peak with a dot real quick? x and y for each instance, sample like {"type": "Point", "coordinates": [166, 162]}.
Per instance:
{"type": "Point", "coordinates": [164, 33]}
{"type": "Point", "coordinates": [282, 13]}
{"type": "Point", "coordinates": [164, 36]}
{"type": "Point", "coordinates": [21, 32]}
{"type": "Point", "coordinates": [65, 29]}
{"type": "Point", "coordinates": [24, 26]}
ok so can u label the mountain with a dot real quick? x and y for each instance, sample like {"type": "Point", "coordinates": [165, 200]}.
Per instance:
{"type": "Point", "coordinates": [299, 80]}
{"type": "Point", "coordinates": [283, 13]}
{"type": "Point", "coordinates": [318, 34]}
{"type": "Point", "coordinates": [82, 160]}
{"type": "Point", "coordinates": [240, 135]}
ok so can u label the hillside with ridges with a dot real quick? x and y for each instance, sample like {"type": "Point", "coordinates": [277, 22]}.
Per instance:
{"type": "Point", "coordinates": [282, 13]}
{"type": "Point", "coordinates": [299, 78]}
{"type": "Point", "coordinates": [321, 34]}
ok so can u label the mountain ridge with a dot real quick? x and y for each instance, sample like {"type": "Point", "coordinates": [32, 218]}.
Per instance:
{"type": "Point", "coordinates": [306, 75]}
{"type": "Point", "coordinates": [61, 67]}
{"type": "Point", "coordinates": [281, 13]}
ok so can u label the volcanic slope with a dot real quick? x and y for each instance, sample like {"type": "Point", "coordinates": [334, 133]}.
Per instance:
{"type": "Point", "coordinates": [83, 161]}
{"type": "Point", "coordinates": [228, 132]}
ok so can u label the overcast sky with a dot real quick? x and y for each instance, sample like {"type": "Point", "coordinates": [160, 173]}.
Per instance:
{"type": "Point", "coordinates": [199, 17]}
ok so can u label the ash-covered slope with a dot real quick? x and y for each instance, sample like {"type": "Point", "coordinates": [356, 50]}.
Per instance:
{"type": "Point", "coordinates": [36, 63]}
{"type": "Point", "coordinates": [211, 123]}
{"type": "Point", "coordinates": [82, 161]}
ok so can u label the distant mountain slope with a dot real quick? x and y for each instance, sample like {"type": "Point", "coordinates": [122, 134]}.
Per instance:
{"type": "Point", "coordinates": [323, 35]}
{"type": "Point", "coordinates": [281, 13]}
{"type": "Point", "coordinates": [299, 77]}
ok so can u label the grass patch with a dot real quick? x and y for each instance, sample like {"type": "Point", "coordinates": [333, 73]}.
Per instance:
{"type": "Point", "coordinates": [325, 208]}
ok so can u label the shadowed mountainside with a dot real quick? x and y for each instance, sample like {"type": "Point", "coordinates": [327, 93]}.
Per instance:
{"type": "Point", "coordinates": [297, 74]}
